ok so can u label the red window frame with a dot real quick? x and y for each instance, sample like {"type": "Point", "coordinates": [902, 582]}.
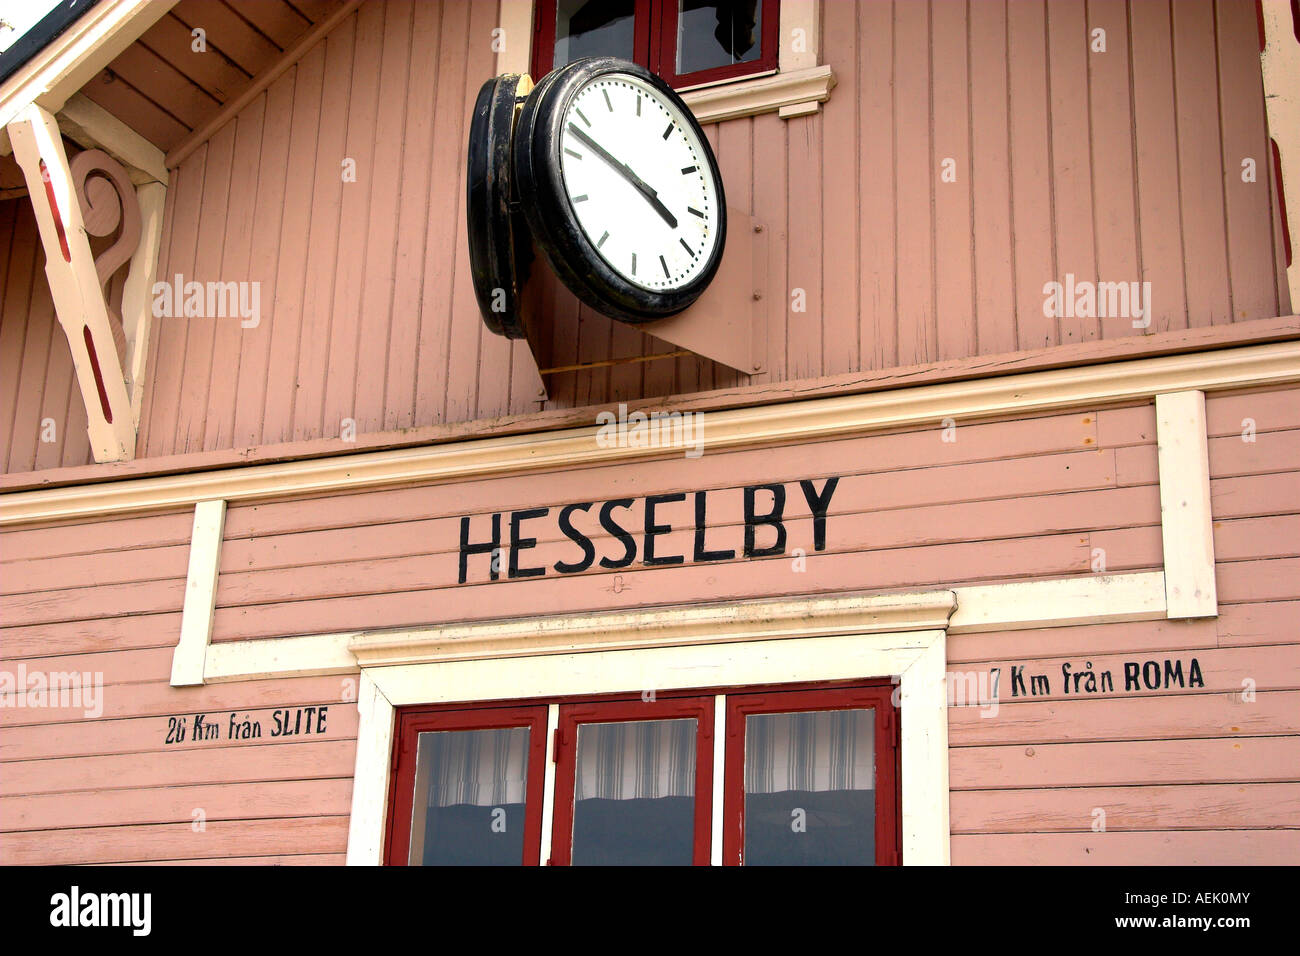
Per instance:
{"type": "Point", "coordinates": [412, 723]}
{"type": "Point", "coordinates": [566, 777]}
{"type": "Point", "coordinates": [654, 43]}
{"type": "Point", "coordinates": [888, 838]}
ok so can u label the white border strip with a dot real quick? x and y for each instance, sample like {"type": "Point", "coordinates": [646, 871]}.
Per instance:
{"type": "Point", "coordinates": [193, 648]}
{"type": "Point", "coordinates": [370, 776]}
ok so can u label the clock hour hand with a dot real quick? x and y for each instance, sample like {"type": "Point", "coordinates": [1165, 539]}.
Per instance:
{"type": "Point", "coordinates": [626, 172]}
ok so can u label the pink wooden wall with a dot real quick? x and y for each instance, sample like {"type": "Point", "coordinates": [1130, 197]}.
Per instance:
{"type": "Point", "coordinates": [1013, 499]}
{"type": "Point", "coordinates": [1123, 165]}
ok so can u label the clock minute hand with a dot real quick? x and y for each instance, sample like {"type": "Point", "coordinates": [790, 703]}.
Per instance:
{"type": "Point", "coordinates": [626, 172]}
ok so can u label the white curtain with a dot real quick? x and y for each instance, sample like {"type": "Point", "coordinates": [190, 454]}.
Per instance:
{"type": "Point", "coordinates": [484, 768]}
{"type": "Point", "coordinates": [638, 758]}
{"type": "Point", "coordinates": [813, 751]}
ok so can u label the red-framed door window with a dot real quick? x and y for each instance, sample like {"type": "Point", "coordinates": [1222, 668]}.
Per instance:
{"type": "Point", "coordinates": [687, 42]}
{"type": "Point", "coordinates": [811, 778]}
{"type": "Point", "coordinates": [634, 783]}
{"type": "Point", "coordinates": [467, 787]}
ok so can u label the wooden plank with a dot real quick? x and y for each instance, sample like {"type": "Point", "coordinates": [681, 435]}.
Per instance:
{"type": "Point", "coordinates": [1277, 579]}
{"type": "Point", "coordinates": [88, 738]}
{"type": "Point", "coordinates": [1033, 236]}
{"type": "Point", "coordinates": [1200, 164]}
{"type": "Point", "coordinates": [243, 763]}
{"type": "Point", "coordinates": [237, 239]}
{"type": "Point", "coordinates": [954, 274]}
{"type": "Point", "coordinates": [1274, 536]}
{"type": "Point", "coordinates": [1187, 526]}
{"type": "Point", "coordinates": [1270, 453]}
{"type": "Point", "coordinates": [214, 72]}
{"type": "Point", "coordinates": [1111, 123]}
{"type": "Point", "coordinates": [284, 799]}
{"type": "Point", "coordinates": [1273, 409]}
{"type": "Point", "coordinates": [1070, 149]}
{"type": "Point", "coordinates": [279, 22]}
{"type": "Point", "coordinates": [1127, 763]}
{"type": "Point", "coordinates": [991, 162]}
{"type": "Point", "coordinates": [1244, 136]}
{"type": "Point", "coordinates": [1182, 717]}
{"type": "Point", "coordinates": [21, 249]}
{"type": "Point", "coordinates": [291, 270]}
{"type": "Point", "coordinates": [804, 342]}
{"type": "Point", "coordinates": [914, 179]}
{"type": "Point", "coordinates": [423, 84]}
{"type": "Point", "coordinates": [165, 85]}
{"type": "Point", "coordinates": [1137, 637]}
{"type": "Point", "coordinates": [1268, 623]}
{"type": "Point", "coordinates": [73, 637]}
{"type": "Point", "coordinates": [268, 216]}
{"type": "Point", "coordinates": [37, 574]}
{"type": "Point", "coordinates": [173, 841]}
{"type": "Point", "coordinates": [324, 237]}
{"type": "Point", "coordinates": [1223, 807]}
{"type": "Point", "coordinates": [1152, 848]}
{"type": "Point", "coordinates": [370, 152]}
{"type": "Point", "coordinates": [197, 375]}
{"type": "Point", "coordinates": [446, 162]}
{"type": "Point", "coordinates": [840, 190]}
{"type": "Point", "coordinates": [161, 700]}
{"type": "Point", "coordinates": [878, 320]}
{"type": "Point", "coordinates": [229, 32]}
{"type": "Point", "coordinates": [136, 110]}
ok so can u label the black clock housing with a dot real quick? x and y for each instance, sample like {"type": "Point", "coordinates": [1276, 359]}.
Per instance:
{"type": "Point", "coordinates": [538, 178]}
{"type": "Point", "coordinates": [500, 249]}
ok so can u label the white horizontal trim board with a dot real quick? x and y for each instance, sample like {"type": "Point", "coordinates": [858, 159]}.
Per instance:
{"type": "Point", "coordinates": [809, 420]}
{"type": "Point", "coordinates": [1107, 598]}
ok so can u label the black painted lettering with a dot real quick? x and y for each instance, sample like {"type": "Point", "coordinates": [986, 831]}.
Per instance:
{"type": "Point", "coordinates": [481, 547]}
{"type": "Point", "coordinates": [701, 528]}
{"type": "Point", "coordinates": [578, 538]}
{"type": "Point", "coordinates": [773, 518]}
{"type": "Point", "coordinates": [653, 530]}
{"type": "Point", "coordinates": [518, 543]}
{"type": "Point", "coordinates": [613, 527]}
{"type": "Point", "coordinates": [818, 503]}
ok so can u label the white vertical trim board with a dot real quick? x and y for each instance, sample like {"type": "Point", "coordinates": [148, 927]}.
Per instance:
{"type": "Point", "coordinates": [1186, 523]}
{"type": "Point", "coordinates": [719, 766]}
{"type": "Point", "coordinates": [137, 297]}
{"type": "Point", "coordinates": [370, 775]}
{"type": "Point", "coordinates": [200, 593]}
{"type": "Point", "coordinates": [548, 785]}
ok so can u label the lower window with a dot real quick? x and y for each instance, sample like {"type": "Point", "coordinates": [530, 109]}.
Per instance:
{"type": "Point", "coordinates": [807, 776]}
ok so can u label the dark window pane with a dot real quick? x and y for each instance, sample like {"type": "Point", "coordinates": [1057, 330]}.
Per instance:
{"type": "Point", "coordinates": [810, 788]}
{"type": "Point", "coordinates": [469, 798]}
{"type": "Point", "coordinates": [634, 797]}
{"type": "Point", "coordinates": [713, 33]}
{"type": "Point", "coordinates": [593, 28]}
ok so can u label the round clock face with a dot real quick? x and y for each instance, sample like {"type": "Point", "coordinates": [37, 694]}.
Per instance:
{"type": "Point", "coordinates": [639, 182]}
{"type": "Point", "coordinates": [620, 188]}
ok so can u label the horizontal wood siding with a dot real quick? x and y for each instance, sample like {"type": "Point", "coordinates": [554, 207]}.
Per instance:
{"type": "Point", "coordinates": [92, 779]}
{"type": "Point", "coordinates": [1124, 167]}
{"type": "Point", "coordinates": [1141, 774]}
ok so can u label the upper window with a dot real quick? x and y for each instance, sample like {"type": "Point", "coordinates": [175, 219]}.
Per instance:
{"type": "Point", "coordinates": [687, 42]}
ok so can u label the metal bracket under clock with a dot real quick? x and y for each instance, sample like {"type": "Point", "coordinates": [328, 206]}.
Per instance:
{"type": "Point", "coordinates": [727, 323]}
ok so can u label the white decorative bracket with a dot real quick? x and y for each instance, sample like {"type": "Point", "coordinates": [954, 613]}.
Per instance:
{"type": "Point", "coordinates": [1280, 65]}
{"type": "Point", "coordinates": [95, 195]}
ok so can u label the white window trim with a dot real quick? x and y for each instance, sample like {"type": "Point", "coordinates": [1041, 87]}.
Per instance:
{"type": "Point", "coordinates": [851, 645]}
{"type": "Point", "coordinates": [798, 87]}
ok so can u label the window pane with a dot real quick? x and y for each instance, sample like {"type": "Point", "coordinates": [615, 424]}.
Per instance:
{"type": "Point", "coordinates": [593, 28]}
{"type": "Point", "coordinates": [469, 798]}
{"type": "Point", "coordinates": [634, 797]}
{"type": "Point", "coordinates": [713, 33]}
{"type": "Point", "coordinates": [810, 788]}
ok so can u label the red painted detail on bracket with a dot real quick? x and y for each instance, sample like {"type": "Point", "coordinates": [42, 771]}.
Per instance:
{"type": "Point", "coordinates": [54, 211]}
{"type": "Point", "coordinates": [99, 376]}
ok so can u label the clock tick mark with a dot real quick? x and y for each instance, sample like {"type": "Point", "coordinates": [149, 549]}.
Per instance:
{"type": "Point", "coordinates": [582, 198]}
{"type": "Point", "coordinates": [669, 131]}
{"type": "Point", "coordinates": [690, 252]}
{"type": "Point", "coordinates": [583, 115]}
{"type": "Point", "coordinates": [667, 274]}
{"type": "Point", "coordinates": [634, 263]}
{"type": "Point", "coordinates": [638, 104]}
{"type": "Point", "coordinates": [687, 170]}
{"type": "Point", "coordinates": [602, 240]}
{"type": "Point", "coordinates": [695, 212]}
{"type": "Point", "coordinates": [572, 153]}
{"type": "Point", "coordinates": [607, 102]}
